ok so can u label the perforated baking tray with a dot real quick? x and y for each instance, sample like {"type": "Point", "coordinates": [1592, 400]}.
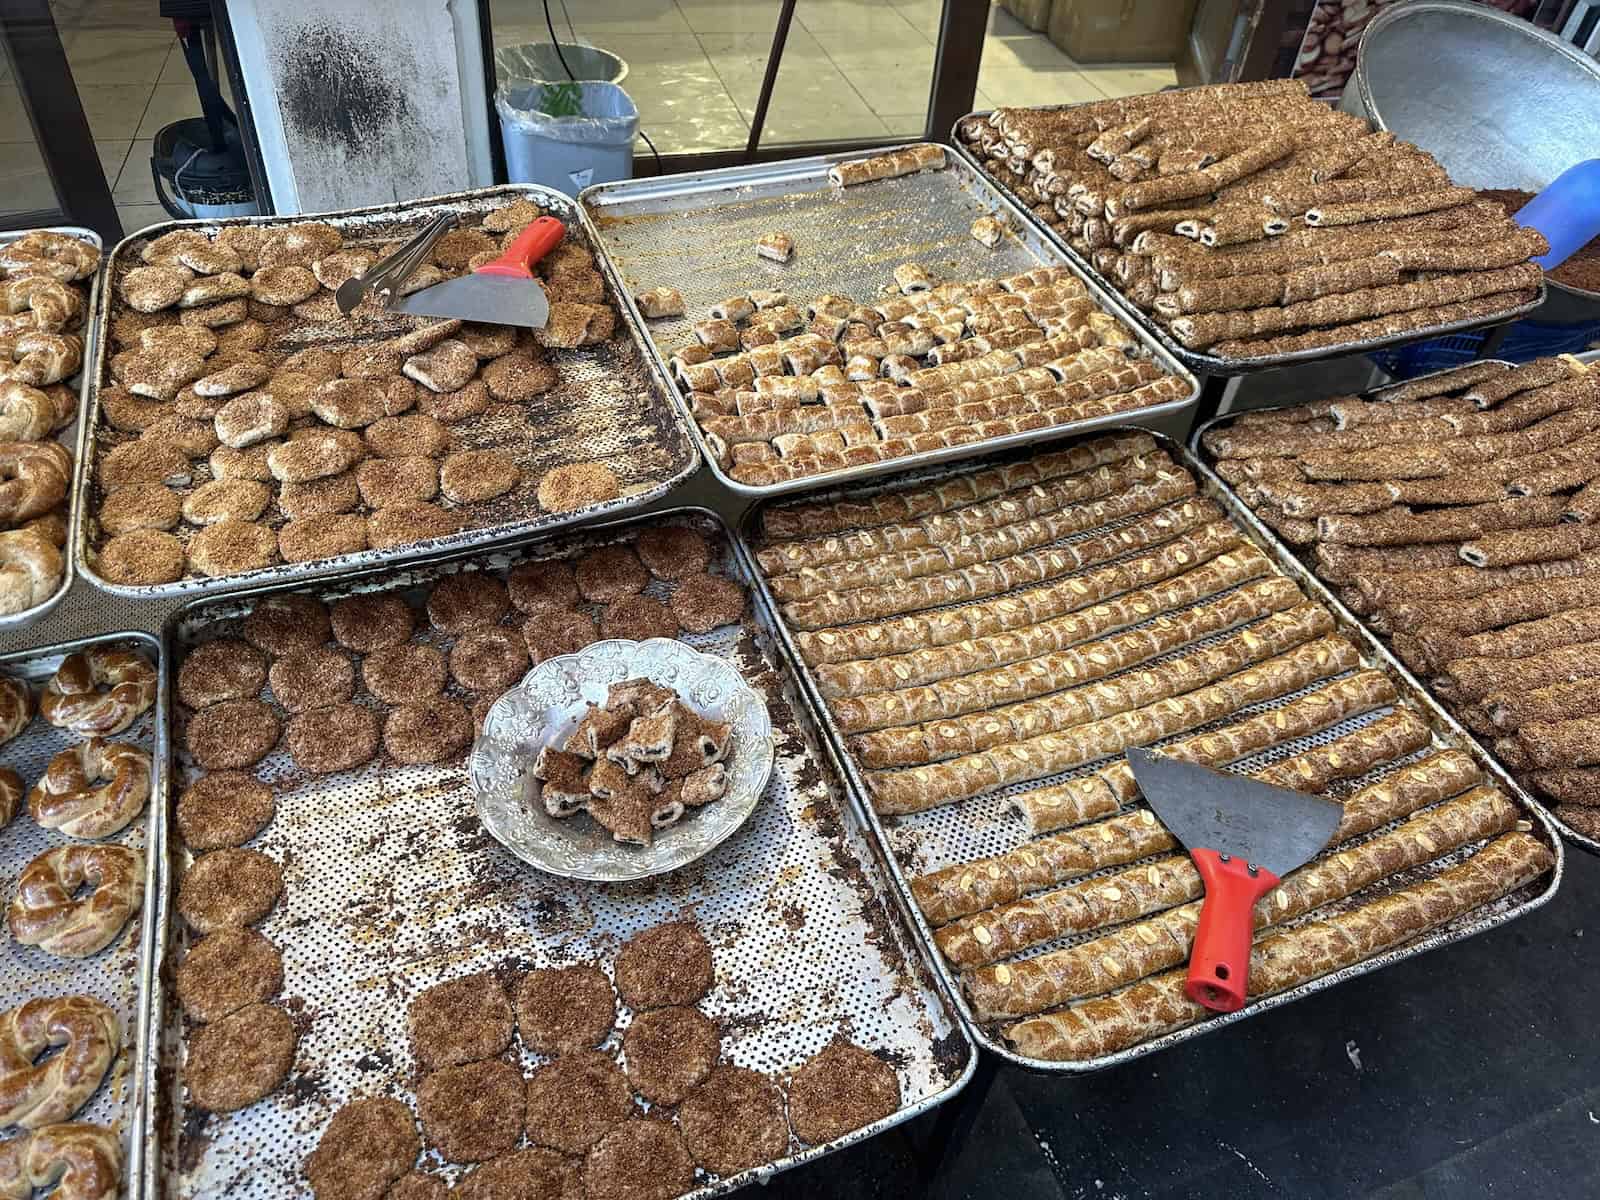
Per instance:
{"type": "Point", "coordinates": [1211, 364]}
{"type": "Point", "coordinates": [72, 435]}
{"type": "Point", "coordinates": [120, 974]}
{"type": "Point", "coordinates": [958, 833]}
{"type": "Point", "coordinates": [698, 232]}
{"type": "Point", "coordinates": [393, 885]}
{"type": "Point", "coordinates": [1217, 482]}
{"type": "Point", "coordinates": [612, 405]}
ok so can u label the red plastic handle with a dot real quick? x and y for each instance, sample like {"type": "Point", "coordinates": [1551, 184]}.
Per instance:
{"type": "Point", "coordinates": [537, 239]}
{"type": "Point", "coordinates": [1219, 965]}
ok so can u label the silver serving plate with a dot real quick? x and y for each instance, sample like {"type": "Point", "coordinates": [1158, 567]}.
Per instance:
{"type": "Point", "coordinates": [543, 709]}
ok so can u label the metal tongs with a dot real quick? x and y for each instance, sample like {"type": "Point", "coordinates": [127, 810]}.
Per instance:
{"type": "Point", "coordinates": [385, 276]}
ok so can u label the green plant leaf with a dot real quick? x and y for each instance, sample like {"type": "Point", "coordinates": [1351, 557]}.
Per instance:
{"type": "Point", "coordinates": [562, 100]}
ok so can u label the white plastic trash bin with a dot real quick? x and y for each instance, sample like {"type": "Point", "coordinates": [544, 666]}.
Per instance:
{"type": "Point", "coordinates": [566, 135]}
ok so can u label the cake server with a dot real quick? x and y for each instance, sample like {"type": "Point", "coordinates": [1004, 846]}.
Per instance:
{"type": "Point", "coordinates": [1244, 836]}
{"type": "Point", "coordinates": [502, 292]}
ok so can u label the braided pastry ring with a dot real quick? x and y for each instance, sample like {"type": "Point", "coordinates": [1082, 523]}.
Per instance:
{"type": "Point", "coordinates": [16, 707]}
{"type": "Point", "coordinates": [86, 1159]}
{"type": "Point", "coordinates": [54, 305]}
{"type": "Point", "coordinates": [34, 1093]}
{"type": "Point", "coordinates": [30, 570]}
{"type": "Point", "coordinates": [45, 252]}
{"type": "Point", "coordinates": [67, 798]}
{"type": "Point", "coordinates": [10, 794]}
{"type": "Point", "coordinates": [27, 413]}
{"type": "Point", "coordinates": [43, 357]}
{"type": "Point", "coordinates": [72, 699]}
{"type": "Point", "coordinates": [44, 914]}
{"type": "Point", "coordinates": [33, 479]}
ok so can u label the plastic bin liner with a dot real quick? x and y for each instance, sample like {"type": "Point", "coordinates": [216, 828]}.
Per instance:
{"type": "Point", "coordinates": [566, 135]}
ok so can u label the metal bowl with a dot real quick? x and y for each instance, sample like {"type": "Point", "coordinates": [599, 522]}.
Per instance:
{"type": "Point", "coordinates": [543, 709]}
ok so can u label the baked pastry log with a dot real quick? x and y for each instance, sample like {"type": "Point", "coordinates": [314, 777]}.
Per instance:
{"type": "Point", "coordinates": [1158, 1005]}
{"type": "Point", "coordinates": [1402, 527]}
{"type": "Point", "coordinates": [1442, 383]}
{"type": "Point", "coordinates": [1515, 546]}
{"type": "Point", "coordinates": [1469, 679]}
{"type": "Point", "coordinates": [1509, 711]}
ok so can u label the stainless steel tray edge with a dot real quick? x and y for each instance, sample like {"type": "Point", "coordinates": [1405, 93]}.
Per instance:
{"type": "Point", "coordinates": [1263, 537]}
{"type": "Point", "coordinates": [362, 561]}
{"type": "Point", "coordinates": [805, 714]}
{"type": "Point", "coordinates": [1209, 364]}
{"type": "Point", "coordinates": [809, 171]}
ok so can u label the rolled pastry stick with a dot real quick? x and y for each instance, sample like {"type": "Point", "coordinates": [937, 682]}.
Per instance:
{"type": "Point", "coordinates": [1547, 482]}
{"type": "Point", "coordinates": [1386, 208]}
{"type": "Point", "coordinates": [1505, 606]}
{"type": "Point", "coordinates": [1390, 737]}
{"type": "Point", "coordinates": [1165, 940]}
{"type": "Point", "coordinates": [1505, 252]}
{"type": "Point", "coordinates": [1289, 287]}
{"type": "Point", "coordinates": [1442, 383]}
{"type": "Point", "coordinates": [975, 730]}
{"type": "Point", "coordinates": [1574, 742]}
{"type": "Point", "coordinates": [1530, 406]}
{"type": "Point", "coordinates": [1355, 412]}
{"type": "Point", "coordinates": [1308, 500]}
{"type": "Point", "coordinates": [1540, 373]}
{"type": "Point", "coordinates": [922, 157]}
{"type": "Point", "coordinates": [1530, 545]}
{"type": "Point", "coordinates": [1291, 529]}
{"type": "Point", "coordinates": [1292, 443]}
{"type": "Point", "coordinates": [905, 504]}
{"type": "Point", "coordinates": [1509, 711]}
{"type": "Point", "coordinates": [1450, 490]}
{"type": "Point", "coordinates": [1056, 635]}
{"type": "Point", "coordinates": [1473, 678]}
{"type": "Point", "coordinates": [1284, 960]}
{"type": "Point", "coordinates": [983, 580]}
{"type": "Point", "coordinates": [1458, 583]}
{"type": "Point", "coordinates": [1400, 526]}
{"type": "Point", "coordinates": [919, 788]}
{"type": "Point", "coordinates": [1344, 564]}
{"type": "Point", "coordinates": [1107, 789]}
{"type": "Point", "coordinates": [1579, 786]}
{"type": "Point", "coordinates": [1584, 507]}
{"type": "Point", "coordinates": [1446, 458]}
{"type": "Point", "coordinates": [1579, 819]}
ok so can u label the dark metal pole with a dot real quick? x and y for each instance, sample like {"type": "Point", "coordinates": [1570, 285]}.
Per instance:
{"type": "Point", "coordinates": [955, 68]}
{"type": "Point", "coordinates": [780, 35]}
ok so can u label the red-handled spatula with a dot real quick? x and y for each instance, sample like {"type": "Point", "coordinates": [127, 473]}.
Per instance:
{"type": "Point", "coordinates": [1243, 836]}
{"type": "Point", "coordinates": [502, 292]}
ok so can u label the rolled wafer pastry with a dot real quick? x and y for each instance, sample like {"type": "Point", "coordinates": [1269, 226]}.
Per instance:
{"type": "Point", "coordinates": [1284, 960]}
{"type": "Point", "coordinates": [1344, 564]}
{"type": "Point", "coordinates": [930, 664]}
{"type": "Point", "coordinates": [1548, 481]}
{"type": "Point", "coordinates": [1388, 325]}
{"type": "Point", "coordinates": [1579, 786]}
{"type": "Point", "coordinates": [1514, 546]}
{"type": "Point", "coordinates": [1458, 583]}
{"type": "Point", "coordinates": [1290, 287]}
{"type": "Point", "coordinates": [1307, 500]}
{"type": "Point", "coordinates": [1473, 678]}
{"type": "Point", "coordinates": [1579, 819]}
{"type": "Point", "coordinates": [1108, 788]}
{"type": "Point", "coordinates": [1449, 490]}
{"type": "Point", "coordinates": [1445, 458]}
{"type": "Point", "coordinates": [1506, 252]}
{"type": "Point", "coordinates": [1509, 711]}
{"type": "Point", "coordinates": [1442, 383]}
{"type": "Point", "coordinates": [1355, 412]}
{"type": "Point", "coordinates": [920, 788]}
{"type": "Point", "coordinates": [1391, 736]}
{"type": "Point", "coordinates": [1384, 208]}
{"type": "Point", "coordinates": [1565, 628]}
{"type": "Point", "coordinates": [1584, 507]}
{"type": "Point", "coordinates": [978, 730]}
{"type": "Point", "coordinates": [1001, 575]}
{"type": "Point", "coordinates": [1527, 407]}
{"type": "Point", "coordinates": [1294, 201]}
{"type": "Point", "coordinates": [1505, 606]}
{"type": "Point", "coordinates": [1401, 526]}
{"type": "Point", "coordinates": [1293, 442]}
{"type": "Point", "coordinates": [1216, 540]}
{"type": "Point", "coordinates": [1574, 742]}
{"type": "Point", "coordinates": [1542, 372]}
{"type": "Point", "coordinates": [1164, 941]}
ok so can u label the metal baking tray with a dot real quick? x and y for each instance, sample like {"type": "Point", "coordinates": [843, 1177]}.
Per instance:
{"type": "Point", "coordinates": [1209, 364]}
{"type": "Point", "coordinates": [697, 233]}
{"type": "Point", "coordinates": [958, 833]}
{"type": "Point", "coordinates": [1202, 458]}
{"type": "Point", "coordinates": [120, 975]}
{"type": "Point", "coordinates": [393, 885]}
{"type": "Point", "coordinates": [72, 435]}
{"type": "Point", "coordinates": [612, 404]}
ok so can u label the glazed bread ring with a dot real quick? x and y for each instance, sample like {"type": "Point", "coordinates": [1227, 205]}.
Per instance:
{"type": "Point", "coordinates": [33, 1093]}
{"type": "Point", "coordinates": [41, 358]}
{"type": "Point", "coordinates": [70, 795]}
{"type": "Point", "coordinates": [59, 255]}
{"type": "Point", "coordinates": [82, 1162]}
{"type": "Point", "coordinates": [16, 707]}
{"type": "Point", "coordinates": [30, 570]}
{"type": "Point", "coordinates": [73, 699]}
{"type": "Point", "coordinates": [45, 914]}
{"type": "Point", "coordinates": [33, 479]}
{"type": "Point", "coordinates": [55, 305]}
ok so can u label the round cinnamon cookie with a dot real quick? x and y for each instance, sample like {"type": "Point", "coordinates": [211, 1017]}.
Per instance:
{"type": "Point", "coordinates": [225, 971]}
{"type": "Point", "coordinates": [463, 1020]}
{"type": "Point", "coordinates": [318, 362]}
{"type": "Point", "coordinates": [641, 1159]}
{"type": "Point", "coordinates": [539, 586]}
{"type": "Point", "coordinates": [339, 737]}
{"type": "Point", "coordinates": [454, 249]}
{"type": "Point", "coordinates": [142, 506]}
{"type": "Point", "coordinates": [371, 620]}
{"type": "Point", "coordinates": [128, 412]}
{"type": "Point", "coordinates": [194, 438]}
{"type": "Point", "coordinates": [488, 659]}
{"type": "Point", "coordinates": [664, 965]}
{"type": "Point", "coordinates": [232, 734]}
{"type": "Point", "coordinates": [473, 476]}
{"type": "Point", "coordinates": [249, 335]}
{"type": "Point", "coordinates": [320, 497]}
{"type": "Point", "coordinates": [673, 552]}
{"type": "Point", "coordinates": [284, 285]}
{"type": "Point", "coordinates": [532, 1174]}
{"type": "Point", "coordinates": [369, 1144]}
{"type": "Point", "coordinates": [419, 1186]}
{"type": "Point", "coordinates": [551, 634]}
{"type": "Point", "coordinates": [637, 618]}
{"type": "Point", "coordinates": [405, 674]}
{"type": "Point", "coordinates": [230, 547]}
{"type": "Point", "coordinates": [610, 573]}
{"type": "Point", "coordinates": [313, 677]}
{"type": "Point", "coordinates": [293, 391]}
{"type": "Point", "coordinates": [282, 623]}
{"type": "Point", "coordinates": [840, 1090]}
{"type": "Point", "coordinates": [668, 1051]}
{"type": "Point", "coordinates": [220, 500]}
{"type": "Point", "coordinates": [333, 269]}
{"type": "Point", "coordinates": [142, 461]}
{"type": "Point", "coordinates": [450, 407]}
{"type": "Point", "coordinates": [472, 1112]}
{"type": "Point", "coordinates": [141, 558]}
{"type": "Point", "coordinates": [576, 1100]}
{"type": "Point", "coordinates": [561, 1010]}
{"type": "Point", "coordinates": [734, 1121]}
{"type": "Point", "coordinates": [229, 889]}
{"type": "Point", "coordinates": [701, 603]}
{"type": "Point", "coordinates": [428, 731]}
{"type": "Point", "coordinates": [325, 536]}
{"type": "Point", "coordinates": [387, 481]}
{"type": "Point", "coordinates": [488, 341]}
{"type": "Point", "coordinates": [466, 600]}
{"type": "Point", "coordinates": [225, 669]}
{"type": "Point", "coordinates": [572, 486]}
{"type": "Point", "coordinates": [224, 808]}
{"type": "Point", "coordinates": [229, 462]}
{"type": "Point", "coordinates": [348, 403]}
{"type": "Point", "coordinates": [410, 436]}
{"type": "Point", "coordinates": [405, 524]}
{"type": "Point", "coordinates": [236, 1061]}
{"type": "Point", "coordinates": [519, 376]}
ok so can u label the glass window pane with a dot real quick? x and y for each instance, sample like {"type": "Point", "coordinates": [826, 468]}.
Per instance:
{"type": "Point", "coordinates": [1025, 66]}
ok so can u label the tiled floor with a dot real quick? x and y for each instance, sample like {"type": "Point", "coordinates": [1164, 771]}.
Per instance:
{"type": "Point", "coordinates": [852, 69]}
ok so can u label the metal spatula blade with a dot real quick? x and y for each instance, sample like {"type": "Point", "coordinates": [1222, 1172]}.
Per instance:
{"type": "Point", "coordinates": [1243, 836]}
{"type": "Point", "coordinates": [503, 292]}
